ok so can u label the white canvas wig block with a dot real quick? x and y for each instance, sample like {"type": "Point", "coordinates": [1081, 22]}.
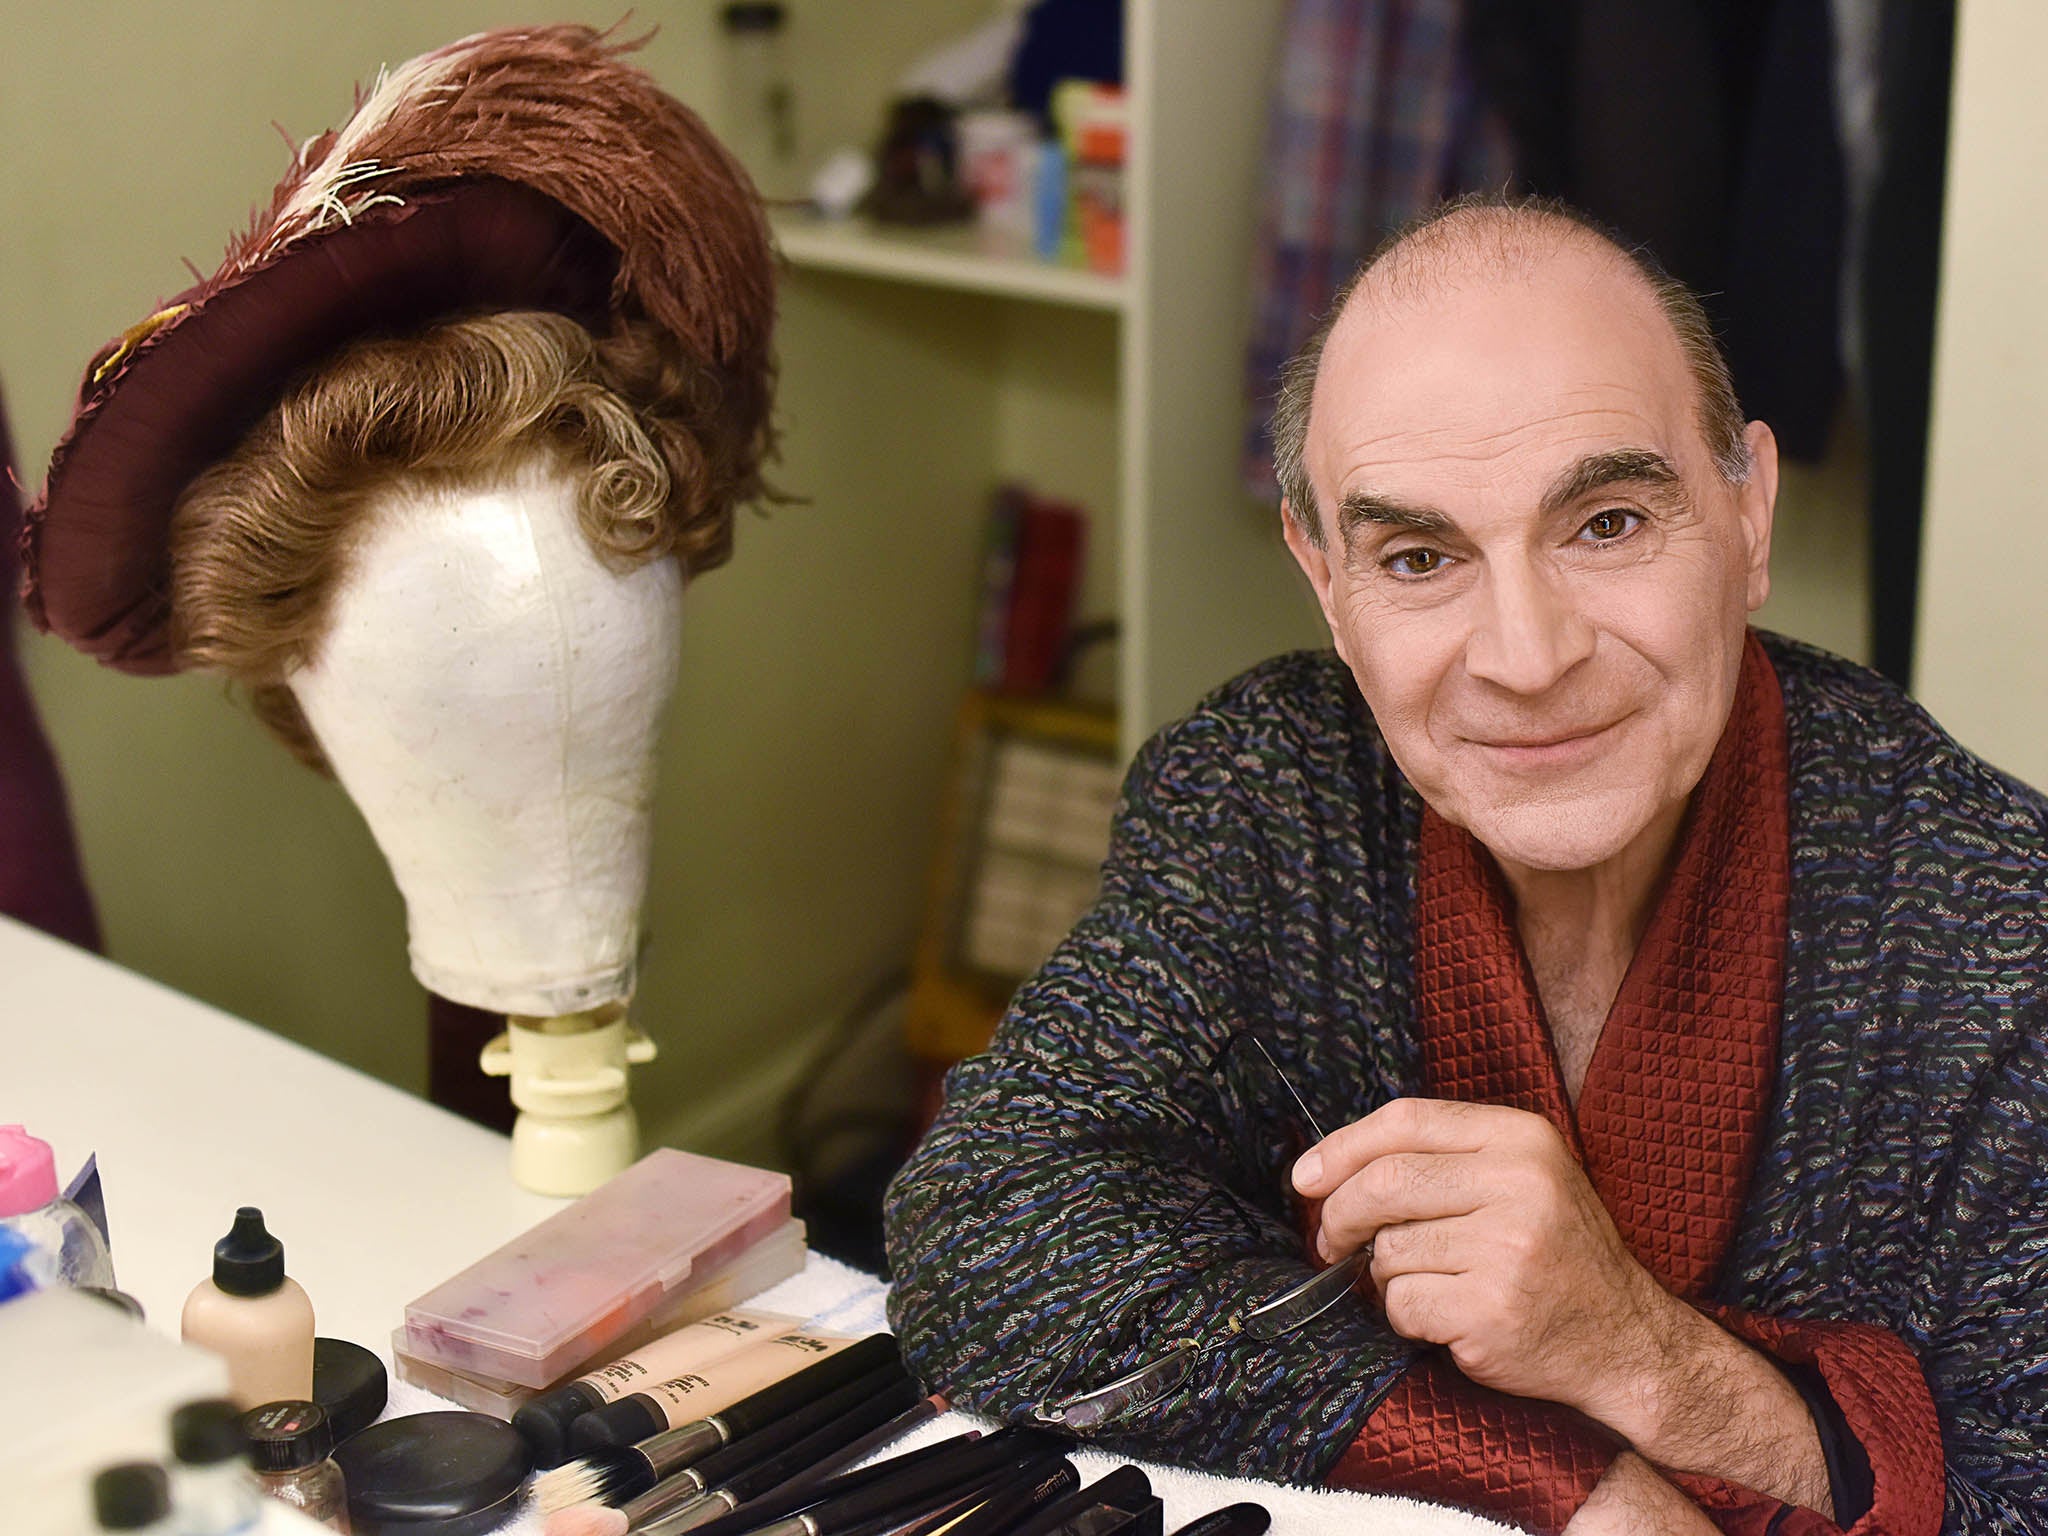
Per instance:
{"type": "Point", "coordinates": [490, 693]}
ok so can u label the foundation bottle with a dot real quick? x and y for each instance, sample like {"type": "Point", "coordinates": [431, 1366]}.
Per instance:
{"type": "Point", "coordinates": [254, 1316]}
{"type": "Point", "coordinates": [291, 1446]}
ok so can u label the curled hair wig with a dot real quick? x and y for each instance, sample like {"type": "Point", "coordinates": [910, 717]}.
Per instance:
{"type": "Point", "coordinates": [665, 448]}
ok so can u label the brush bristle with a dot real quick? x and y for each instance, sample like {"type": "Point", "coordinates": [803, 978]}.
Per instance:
{"type": "Point", "coordinates": [587, 1520]}
{"type": "Point", "coordinates": [605, 1474]}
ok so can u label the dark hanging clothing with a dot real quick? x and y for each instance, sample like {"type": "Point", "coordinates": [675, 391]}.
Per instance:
{"type": "Point", "coordinates": [41, 880]}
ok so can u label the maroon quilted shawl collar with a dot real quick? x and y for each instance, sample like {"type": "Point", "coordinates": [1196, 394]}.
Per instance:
{"type": "Point", "coordinates": [1671, 1113]}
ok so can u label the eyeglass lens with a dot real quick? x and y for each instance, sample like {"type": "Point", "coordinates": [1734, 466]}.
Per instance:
{"type": "Point", "coordinates": [1143, 1386]}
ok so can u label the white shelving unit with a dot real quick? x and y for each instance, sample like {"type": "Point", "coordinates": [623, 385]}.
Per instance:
{"type": "Point", "coordinates": [952, 257]}
{"type": "Point", "coordinates": [1204, 586]}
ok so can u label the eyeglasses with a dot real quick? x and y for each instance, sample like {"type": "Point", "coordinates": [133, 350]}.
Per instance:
{"type": "Point", "coordinates": [1290, 1309]}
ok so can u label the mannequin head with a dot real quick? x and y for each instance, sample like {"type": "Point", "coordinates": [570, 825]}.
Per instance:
{"type": "Point", "coordinates": [661, 452]}
{"type": "Point", "coordinates": [449, 570]}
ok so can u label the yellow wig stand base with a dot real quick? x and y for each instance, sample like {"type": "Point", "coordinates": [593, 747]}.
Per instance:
{"type": "Point", "coordinates": [569, 1079]}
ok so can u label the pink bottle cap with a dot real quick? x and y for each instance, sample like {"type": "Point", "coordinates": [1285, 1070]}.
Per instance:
{"type": "Point", "coordinates": [28, 1172]}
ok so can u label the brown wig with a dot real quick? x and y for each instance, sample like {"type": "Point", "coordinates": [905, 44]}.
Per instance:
{"type": "Point", "coordinates": [667, 446]}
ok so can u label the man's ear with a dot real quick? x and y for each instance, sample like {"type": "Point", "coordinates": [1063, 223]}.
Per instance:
{"type": "Point", "coordinates": [1314, 562]}
{"type": "Point", "coordinates": [1756, 503]}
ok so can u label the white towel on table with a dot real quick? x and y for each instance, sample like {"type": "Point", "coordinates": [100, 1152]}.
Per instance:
{"type": "Point", "coordinates": [838, 1299]}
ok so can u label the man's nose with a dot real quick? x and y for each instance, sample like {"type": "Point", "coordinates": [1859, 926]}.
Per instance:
{"type": "Point", "coordinates": [1529, 633]}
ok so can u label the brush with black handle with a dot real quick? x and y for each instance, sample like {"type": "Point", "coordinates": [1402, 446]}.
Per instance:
{"type": "Point", "coordinates": [785, 1480]}
{"type": "Point", "coordinates": [995, 1509]}
{"type": "Point", "coordinates": [612, 1474]}
{"type": "Point", "coordinates": [919, 1490]}
{"type": "Point", "coordinates": [1125, 1488]}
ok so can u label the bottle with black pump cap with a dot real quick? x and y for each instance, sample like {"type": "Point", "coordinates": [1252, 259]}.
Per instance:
{"type": "Point", "coordinates": [133, 1496]}
{"type": "Point", "coordinates": [215, 1495]}
{"type": "Point", "coordinates": [254, 1316]}
{"type": "Point", "coordinates": [291, 1445]}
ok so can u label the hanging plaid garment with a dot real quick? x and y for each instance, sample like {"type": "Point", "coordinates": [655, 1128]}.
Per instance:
{"type": "Point", "coordinates": [1375, 118]}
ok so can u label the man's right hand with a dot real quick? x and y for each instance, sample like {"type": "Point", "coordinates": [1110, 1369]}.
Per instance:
{"type": "Point", "coordinates": [1633, 1500]}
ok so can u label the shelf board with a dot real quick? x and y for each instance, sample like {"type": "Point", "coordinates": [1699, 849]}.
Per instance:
{"type": "Point", "coordinates": [951, 257]}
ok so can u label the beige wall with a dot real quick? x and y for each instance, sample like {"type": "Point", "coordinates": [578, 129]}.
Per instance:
{"type": "Point", "coordinates": [821, 669]}
{"type": "Point", "coordinates": [1982, 647]}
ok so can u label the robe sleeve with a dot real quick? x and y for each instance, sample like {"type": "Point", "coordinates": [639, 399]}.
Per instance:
{"type": "Point", "coordinates": [1028, 1233]}
{"type": "Point", "coordinates": [1877, 1385]}
{"type": "Point", "coordinates": [1440, 1437]}
{"type": "Point", "coordinates": [1949, 1399]}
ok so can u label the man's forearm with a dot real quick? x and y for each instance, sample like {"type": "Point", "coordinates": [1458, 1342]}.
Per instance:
{"type": "Point", "coordinates": [1708, 1404]}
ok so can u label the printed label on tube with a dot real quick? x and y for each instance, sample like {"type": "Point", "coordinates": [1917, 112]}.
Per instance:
{"type": "Point", "coordinates": [687, 1350]}
{"type": "Point", "coordinates": [698, 1394]}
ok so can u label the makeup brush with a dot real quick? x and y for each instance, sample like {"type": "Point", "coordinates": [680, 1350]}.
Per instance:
{"type": "Point", "coordinates": [1231, 1520]}
{"type": "Point", "coordinates": [963, 1463]}
{"type": "Point", "coordinates": [1125, 1488]}
{"type": "Point", "coordinates": [784, 1481]}
{"type": "Point", "coordinates": [968, 1455]}
{"type": "Point", "coordinates": [603, 1520]}
{"type": "Point", "coordinates": [901, 1499]}
{"type": "Point", "coordinates": [700, 1495]}
{"type": "Point", "coordinates": [1010, 1500]}
{"type": "Point", "coordinates": [612, 1474]}
{"type": "Point", "coordinates": [586, 1520]}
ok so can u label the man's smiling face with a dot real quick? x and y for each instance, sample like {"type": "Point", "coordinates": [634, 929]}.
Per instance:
{"type": "Point", "coordinates": [1529, 559]}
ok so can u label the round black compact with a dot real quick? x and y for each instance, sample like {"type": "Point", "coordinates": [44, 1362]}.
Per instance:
{"type": "Point", "coordinates": [350, 1383]}
{"type": "Point", "coordinates": [433, 1474]}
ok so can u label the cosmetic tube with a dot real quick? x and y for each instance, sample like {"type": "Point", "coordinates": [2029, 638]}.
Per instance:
{"type": "Point", "coordinates": [690, 1395]}
{"type": "Point", "coordinates": [544, 1422]}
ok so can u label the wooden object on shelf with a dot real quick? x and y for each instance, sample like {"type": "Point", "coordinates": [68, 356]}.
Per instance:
{"type": "Point", "coordinates": [1022, 835]}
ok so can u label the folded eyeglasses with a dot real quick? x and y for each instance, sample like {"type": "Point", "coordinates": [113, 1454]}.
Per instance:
{"type": "Point", "coordinates": [1268, 1320]}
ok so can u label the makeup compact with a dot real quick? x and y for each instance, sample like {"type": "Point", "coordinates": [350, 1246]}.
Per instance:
{"type": "Point", "coordinates": [350, 1383]}
{"type": "Point", "coordinates": [433, 1474]}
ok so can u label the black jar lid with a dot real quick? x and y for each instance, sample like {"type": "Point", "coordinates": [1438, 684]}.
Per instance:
{"type": "Point", "coordinates": [350, 1383]}
{"type": "Point", "coordinates": [285, 1436]}
{"type": "Point", "coordinates": [433, 1474]}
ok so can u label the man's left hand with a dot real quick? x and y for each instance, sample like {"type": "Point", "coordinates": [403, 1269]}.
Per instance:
{"type": "Point", "coordinates": [1487, 1238]}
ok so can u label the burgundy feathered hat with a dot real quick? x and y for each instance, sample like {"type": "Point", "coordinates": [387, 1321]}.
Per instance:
{"type": "Point", "coordinates": [526, 168]}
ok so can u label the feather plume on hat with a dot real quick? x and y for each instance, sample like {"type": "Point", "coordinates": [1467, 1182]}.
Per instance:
{"type": "Point", "coordinates": [524, 168]}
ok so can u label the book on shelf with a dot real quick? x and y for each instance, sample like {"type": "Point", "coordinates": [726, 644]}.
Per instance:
{"type": "Point", "coordinates": [1031, 576]}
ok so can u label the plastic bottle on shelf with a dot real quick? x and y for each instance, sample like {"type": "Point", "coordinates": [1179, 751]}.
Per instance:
{"type": "Point", "coordinates": [67, 1247]}
{"type": "Point", "coordinates": [254, 1316]}
{"type": "Point", "coordinates": [215, 1493]}
{"type": "Point", "coordinates": [133, 1496]}
{"type": "Point", "coordinates": [292, 1448]}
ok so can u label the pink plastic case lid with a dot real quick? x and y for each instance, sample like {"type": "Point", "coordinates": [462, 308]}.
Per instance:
{"type": "Point", "coordinates": [550, 1300]}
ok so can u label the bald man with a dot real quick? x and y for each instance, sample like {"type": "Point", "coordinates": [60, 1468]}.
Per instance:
{"type": "Point", "coordinates": [1565, 1054]}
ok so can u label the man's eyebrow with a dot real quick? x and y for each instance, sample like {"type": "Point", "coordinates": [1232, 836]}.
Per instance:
{"type": "Point", "coordinates": [1616, 466]}
{"type": "Point", "coordinates": [1367, 507]}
